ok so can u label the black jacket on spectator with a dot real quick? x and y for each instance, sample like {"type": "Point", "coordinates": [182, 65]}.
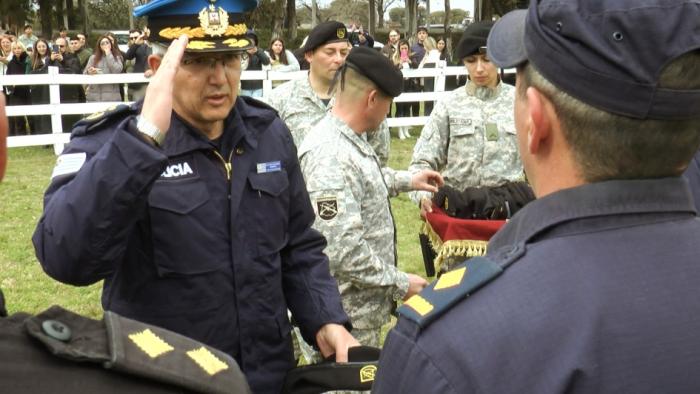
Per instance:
{"type": "Point", "coordinates": [18, 66]}
{"type": "Point", "coordinates": [69, 65]}
{"type": "Point", "coordinates": [255, 63]}
{"type": "Point", "coordinates": [140, 53]}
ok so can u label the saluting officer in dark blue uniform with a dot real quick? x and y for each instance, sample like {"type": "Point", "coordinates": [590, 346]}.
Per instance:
{"type": "Point", "coordinates": [192, 207]}
{"type": "Point", "coordinates": [593, 287]}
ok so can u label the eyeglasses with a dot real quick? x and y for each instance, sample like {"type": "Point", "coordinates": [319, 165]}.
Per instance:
{"type": "Point", "coordinates": [204, 62]}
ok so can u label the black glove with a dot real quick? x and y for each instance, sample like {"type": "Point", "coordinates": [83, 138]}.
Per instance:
{"type": "Point", "coordinates": [500, 202]}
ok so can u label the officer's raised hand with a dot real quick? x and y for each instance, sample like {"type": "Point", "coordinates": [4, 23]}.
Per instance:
{"type": "Point", "coordinates": [158, 102]}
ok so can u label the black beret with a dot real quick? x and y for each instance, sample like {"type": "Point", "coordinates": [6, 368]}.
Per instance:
{"type": "Point", "coordinates": [326, 33]}
{"type": "Point", "coordinates": [377, 68]}
{"type": "Point", "coordinates": [474, 37]}
{"type": "Point", "coordinates": [357, 374]}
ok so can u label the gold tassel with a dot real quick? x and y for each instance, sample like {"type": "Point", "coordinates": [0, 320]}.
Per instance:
{"type": "Point", "coordinates": [460, 247]}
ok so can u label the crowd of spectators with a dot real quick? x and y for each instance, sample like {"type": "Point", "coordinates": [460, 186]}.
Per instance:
{"type": "Point", "coordinates": [71, 54]}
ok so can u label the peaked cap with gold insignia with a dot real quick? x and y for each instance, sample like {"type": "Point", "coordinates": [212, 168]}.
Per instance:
{"type": "Point", "coordinates": [210, 25]}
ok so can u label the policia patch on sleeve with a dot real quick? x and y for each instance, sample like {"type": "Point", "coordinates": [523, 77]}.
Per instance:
{"type": "Point", "coordinates": [327, 207]}
{"type": "Point", "coordinates": [449, 290]}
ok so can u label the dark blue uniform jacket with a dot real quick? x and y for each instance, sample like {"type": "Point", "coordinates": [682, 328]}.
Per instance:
{"type": "Point", "coordinates": [601, 296]}
{"type": "Point", "coordinates": [211, 242]}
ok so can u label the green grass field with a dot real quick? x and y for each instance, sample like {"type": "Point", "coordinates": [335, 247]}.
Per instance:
{"type": "Point", "coordinates": [27, 288]}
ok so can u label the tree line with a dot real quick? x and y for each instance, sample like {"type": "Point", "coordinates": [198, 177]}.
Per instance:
{"type": "Point", "coordinates": [287, 15]}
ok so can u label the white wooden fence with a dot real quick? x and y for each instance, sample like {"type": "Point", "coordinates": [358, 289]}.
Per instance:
{"type": "Point", "coordinates": [58, 137]}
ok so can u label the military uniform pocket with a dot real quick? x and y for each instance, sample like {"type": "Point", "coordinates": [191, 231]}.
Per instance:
{"type": "Point", "coordinates": [183, 244]}
{"type": "Point", "coordinates": [270, 209]}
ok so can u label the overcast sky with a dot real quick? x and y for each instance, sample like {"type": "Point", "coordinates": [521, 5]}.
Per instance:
{"type": "Point", "coordinates": [439, 5]}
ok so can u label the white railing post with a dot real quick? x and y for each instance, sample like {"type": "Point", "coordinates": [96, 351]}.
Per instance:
{"type": "Point", "coordinates": [440, 79]}
{"type": "Point", "coordinates": [55, 101]}
{"type": "Point", "coordinates": [267, 84]}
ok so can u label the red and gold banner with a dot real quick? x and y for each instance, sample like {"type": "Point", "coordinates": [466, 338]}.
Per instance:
{"type": "Point", "coordinates": [454, 237]}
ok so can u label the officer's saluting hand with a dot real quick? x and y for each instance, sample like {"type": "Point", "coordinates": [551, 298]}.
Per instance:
{"type": "Point", "coordinates": [158, 102]}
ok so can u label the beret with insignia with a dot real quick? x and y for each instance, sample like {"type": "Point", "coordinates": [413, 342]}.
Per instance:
{"type": "Point", "coordinates": [356, 374]}
{"type": "Point", "coordinates": [473, 39]}
{"type": "Point", "coordinates": [210, 25]}
{"type": "Point", "coordinates": [326, 33]}
{"type": "Point", "coordinates": [377, 68]}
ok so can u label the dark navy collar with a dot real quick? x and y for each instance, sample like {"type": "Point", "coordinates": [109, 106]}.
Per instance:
{"type": "Point", "coordinates": [601, 199]}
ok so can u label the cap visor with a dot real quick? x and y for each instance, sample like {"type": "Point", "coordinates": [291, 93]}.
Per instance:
{"type": "Point", "coordinates": [505, 45]}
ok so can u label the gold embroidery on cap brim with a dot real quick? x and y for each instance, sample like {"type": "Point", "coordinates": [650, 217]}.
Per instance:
{"type": "Point", "coordinates": [200, 45]}
{"type": "Point", "coordinates": [238, 29]}
{"type": "Point", "coordinates": [172, 33]}
{"type": "Point", "coordinates": [235, 43]}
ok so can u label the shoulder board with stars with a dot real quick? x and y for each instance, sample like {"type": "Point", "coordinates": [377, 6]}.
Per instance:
{"type": "Point", "coordinates": [453, 286]}
{"type": "Point", "coordinates": [146, 352]}
{"type": "Point", "coordinates": [101, 118]}
{"type": "Point", "coordinates": [163, 355]}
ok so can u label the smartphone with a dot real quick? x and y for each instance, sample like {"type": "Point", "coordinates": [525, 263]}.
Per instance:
{"type": "Point", "coordinates": [404, 54]}
{"type": "Point", "coordinates": [54, 48]}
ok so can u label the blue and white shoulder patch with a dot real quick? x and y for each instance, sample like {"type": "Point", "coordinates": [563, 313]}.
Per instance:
{"type": "Point", "coordinates": [453, 286]}
{"type": "Point", "coordinates": [68, 163]}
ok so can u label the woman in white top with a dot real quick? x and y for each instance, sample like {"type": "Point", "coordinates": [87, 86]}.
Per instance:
{"type": "Point", "coordinates": [281, 59]}
{"type": "Point", "coordinates": [430, 60]}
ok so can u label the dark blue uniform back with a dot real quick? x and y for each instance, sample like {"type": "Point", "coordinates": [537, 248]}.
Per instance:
{"type": "Point", "coordinates": [600, 296]}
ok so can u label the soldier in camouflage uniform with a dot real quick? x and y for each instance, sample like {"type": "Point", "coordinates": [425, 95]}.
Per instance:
{"type": "Point", "coordinates": [302, 103]}
{"type": "Point", "coordinates": [470, 136]}
{"type": "Point", "coordinates": [349, 192]}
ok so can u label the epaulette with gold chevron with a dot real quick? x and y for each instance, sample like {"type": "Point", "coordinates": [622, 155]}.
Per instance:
{"type": "Point", "coordinates": [452, 287]}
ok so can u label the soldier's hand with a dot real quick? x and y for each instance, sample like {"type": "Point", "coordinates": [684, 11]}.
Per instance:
{"type": "Point", "coordinates": [426, 206]}
{"type": "Point", "coordinates": [158, 102]}
{"type": "Point", "coordinates": [334, 338]}
{"type": "Point", "coordinates": [427, 180]}
{"type": "Point", "coordinates": [415, 285]}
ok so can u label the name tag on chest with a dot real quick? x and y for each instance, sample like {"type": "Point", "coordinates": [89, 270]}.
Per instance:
{"type": "Point", "coordinates": [272, 166]}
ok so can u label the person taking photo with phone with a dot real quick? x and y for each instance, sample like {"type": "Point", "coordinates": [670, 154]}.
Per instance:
{"type": "Point", "coordinates": [403, 59]}
{"type": "Point", "coordinates": [103, 61]}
